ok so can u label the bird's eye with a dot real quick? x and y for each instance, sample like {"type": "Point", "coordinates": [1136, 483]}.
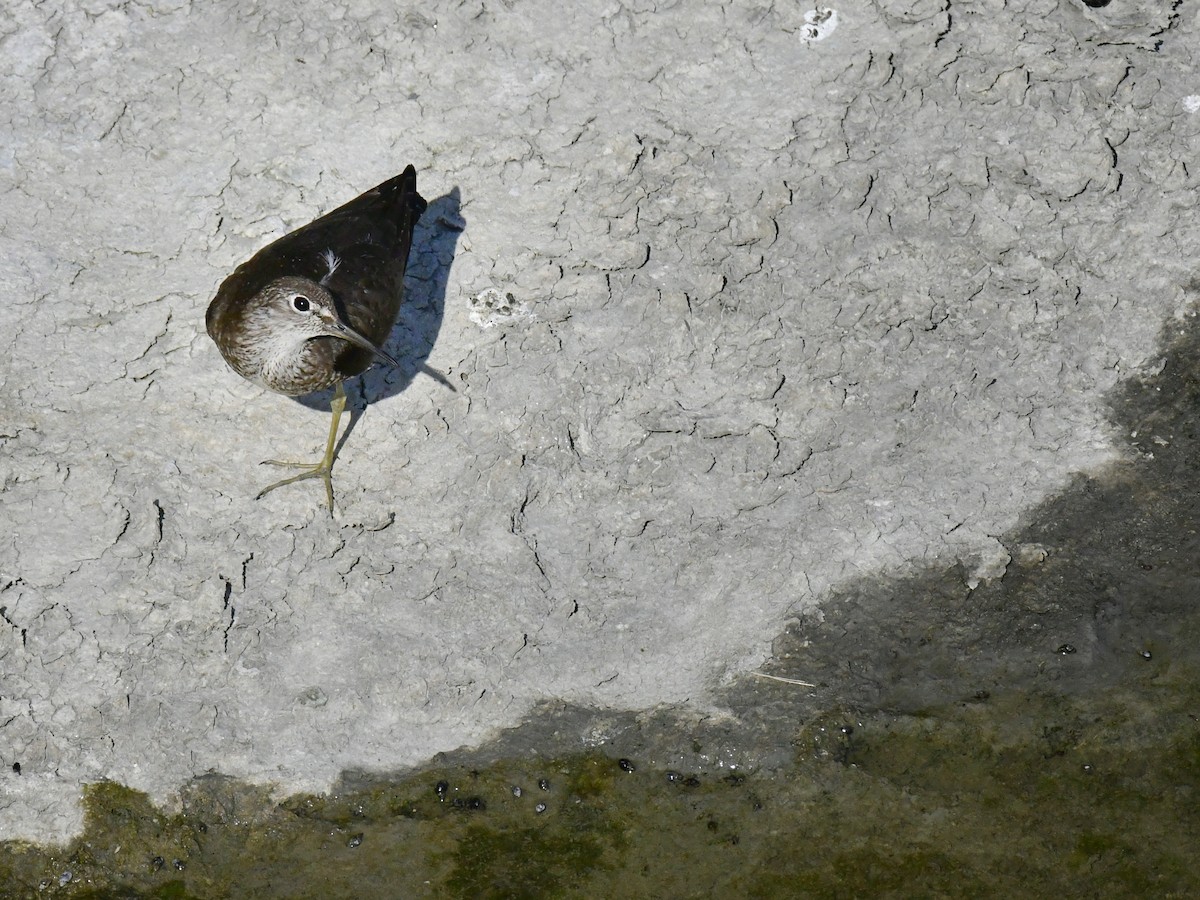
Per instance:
{"type": "Point", "coordinates": [300, 303]}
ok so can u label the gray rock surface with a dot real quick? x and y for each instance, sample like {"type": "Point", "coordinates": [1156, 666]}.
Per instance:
{"type": "Point", "coordinates": [749, 301]}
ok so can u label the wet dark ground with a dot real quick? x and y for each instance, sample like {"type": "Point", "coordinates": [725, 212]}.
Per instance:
{"type": "Point", "coordinates": [1036, 736]}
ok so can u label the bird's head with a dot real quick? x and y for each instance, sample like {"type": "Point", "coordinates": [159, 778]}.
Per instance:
{"type": "Point", "coordinates": [302, 309]}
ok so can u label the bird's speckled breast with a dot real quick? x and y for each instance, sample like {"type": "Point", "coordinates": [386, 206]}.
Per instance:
{"type": "Point", "coordinates": [274, 358]}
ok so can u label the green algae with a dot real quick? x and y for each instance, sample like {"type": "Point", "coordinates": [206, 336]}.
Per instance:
{"type": "Point", "coordinates": [1083, 795]}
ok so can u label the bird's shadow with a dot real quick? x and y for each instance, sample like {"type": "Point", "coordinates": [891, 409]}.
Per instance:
{"type": "Point", "coordinates": [415, 332]}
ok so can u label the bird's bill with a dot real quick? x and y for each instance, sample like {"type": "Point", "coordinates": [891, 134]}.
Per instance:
{"type": "Point", "coordinates": [338, 329]}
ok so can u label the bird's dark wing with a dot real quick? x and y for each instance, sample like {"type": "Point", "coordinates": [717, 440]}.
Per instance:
{"type": "Point", "coordinates": [359, 252]}
{"type": "Point", "coordinates": [371, 237]}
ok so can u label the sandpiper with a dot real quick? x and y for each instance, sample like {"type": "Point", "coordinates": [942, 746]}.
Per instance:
{"type": "Point", "coordinates": [316, 306]}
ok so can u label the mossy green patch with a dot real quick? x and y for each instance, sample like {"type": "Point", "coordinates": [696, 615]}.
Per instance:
{"type": "Point", "coordinates": [966, 800]}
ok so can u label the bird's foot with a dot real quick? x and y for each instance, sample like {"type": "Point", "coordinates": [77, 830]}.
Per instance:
{"type": "Point", "coordinates": [322, 470]}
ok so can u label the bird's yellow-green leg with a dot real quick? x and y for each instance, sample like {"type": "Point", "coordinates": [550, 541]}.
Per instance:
{"type": "Point", "coordinates": [322, 469]}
